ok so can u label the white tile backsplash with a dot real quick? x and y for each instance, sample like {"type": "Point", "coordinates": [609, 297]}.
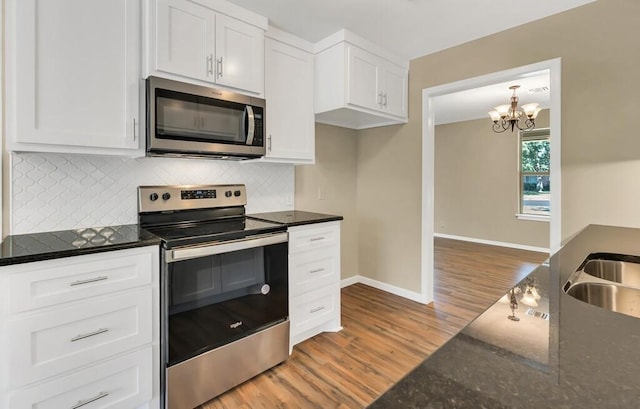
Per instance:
{"type": "Point", "coordinates": [58, 192]}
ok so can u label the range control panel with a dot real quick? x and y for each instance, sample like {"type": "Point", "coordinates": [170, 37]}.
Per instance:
{"type": "Point", "coordinates": [173, 197]}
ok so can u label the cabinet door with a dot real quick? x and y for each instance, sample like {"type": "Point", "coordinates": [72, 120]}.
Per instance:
{"type": "Point", "coordinates": [289, 94]}
{"type": "Point", "coordinates": [185, 39]}
{"type": "Point", "coordinates": [239, 54]}
{"type": "Point", "coordinates": [363, 88]}
{"type": "Point", "coordinates": [77, 73]}
{"type": "Point", "coordinates": [395, 90]}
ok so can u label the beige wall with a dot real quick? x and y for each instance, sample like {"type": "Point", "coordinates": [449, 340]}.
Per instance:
{"type": "Point", "coordinates": [600, 141]}
{"type": "Point", "coordinates": [335, 174]}
{"type": "Point", "coordinates": [477, 186]}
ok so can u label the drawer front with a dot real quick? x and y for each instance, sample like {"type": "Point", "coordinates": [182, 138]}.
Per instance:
{"type": "Point", "coordinates": [314, 308]}
{"type": "Point", "coordinates": [318, 236]}
{"type": "Point", "coordinates": [313, 269]}
{"type": "Point", "coordinates": [122, 383]}
{"type": "Point", "coordinates": [46, 283]}
{"type": "Point", "coordinates": [61, 339]}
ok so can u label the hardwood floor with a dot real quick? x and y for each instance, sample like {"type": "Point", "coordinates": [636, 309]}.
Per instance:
{"type": "Point", "coordinates": [385, 336]}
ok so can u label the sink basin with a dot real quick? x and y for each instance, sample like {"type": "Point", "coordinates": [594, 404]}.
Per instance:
{"type": "Point", "coordinates": [609, 281]}
{"type": "Point", "coordinates": [623, 272]}
{"type": "Point", "coordinates": [617, 298]}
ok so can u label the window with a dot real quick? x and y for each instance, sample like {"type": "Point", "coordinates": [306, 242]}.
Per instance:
{"type": "Point", "coordinates": [535, 186]}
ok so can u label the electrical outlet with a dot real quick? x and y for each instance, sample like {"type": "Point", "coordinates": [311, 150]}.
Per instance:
{"type": "Point", "coordinates": [322, 194]}
{"type": "Point", "coordinates": [441, 223]}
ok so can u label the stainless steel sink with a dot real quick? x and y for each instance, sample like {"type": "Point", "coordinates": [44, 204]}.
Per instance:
{"type": "Point", "coordinates": [613, 297]}
{"type": "Point", "coordinates": [609, 281]}
{"type": "Point", "coordinates": [623, 272]}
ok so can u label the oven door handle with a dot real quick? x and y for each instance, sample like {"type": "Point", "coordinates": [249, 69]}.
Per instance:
{"type": "Point", "coordinates": [224, 247]}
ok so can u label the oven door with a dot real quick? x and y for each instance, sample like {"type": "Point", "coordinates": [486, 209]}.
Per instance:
{"type": "Point", "coordinates": [217, 293]}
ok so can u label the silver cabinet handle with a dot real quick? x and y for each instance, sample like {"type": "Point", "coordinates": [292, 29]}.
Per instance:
{"type": "Point", "coordinates": [90, 280]}
{"type": "Point", "coordinates": [210, 65]}
{"type": "Point", "coordinates": [82, 403]}
{"type": "Point", "coordinates": [385, 99]}
{"type": "Point", "coordinates": [219, 61]}
{"type": "Point", "coordinates": [314, 310]}
{"type": "Point", "coordinates": [89, 334]}
{"type": "Point", "coordinates": [317, 270]}
{"type": "Point", "coordinates": [269, 143]}
{"type": "Point", "coordinates": [135, 129]}
{"type": "Point", "coordinates": [379, 99]}
{"type": "Point", "coordinates": [316, 239]}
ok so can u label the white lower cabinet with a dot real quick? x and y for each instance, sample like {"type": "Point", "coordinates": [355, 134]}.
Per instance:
{"type": "Point", "coordinates": [87, 332]}
{"type": "Point", "coordinates": [314, 280]}
{"type": "Point", "coordinates": [123, 383]}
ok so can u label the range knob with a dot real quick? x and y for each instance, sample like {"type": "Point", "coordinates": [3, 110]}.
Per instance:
{"type": "Point", "coordinates": [153, 197]}
{"type": "Point", "coordinates": [237, 193]}
{"type": "Point", "coordinates": [228, 193]}
{"type": "Point", "coordinates": [166, 196]}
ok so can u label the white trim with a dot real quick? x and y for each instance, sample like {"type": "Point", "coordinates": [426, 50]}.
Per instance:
{"type": "Point", "coordinates": [492, 242]}
{"type": "Point", "coordinates": [428, 144]}
{"type": "Point", "coordinates": [533, 217]}
{"type": "Point", "coordinates": [391, 289]}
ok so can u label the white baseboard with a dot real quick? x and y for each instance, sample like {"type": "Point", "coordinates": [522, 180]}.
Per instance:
{"type": "Point", "coordinates": [401, 292]}
{"type": "Point", "coordinates": [492, 243]}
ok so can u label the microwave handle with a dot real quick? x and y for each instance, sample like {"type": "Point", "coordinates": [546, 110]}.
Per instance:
{"type": "Point", "coordinates": [251, 132]}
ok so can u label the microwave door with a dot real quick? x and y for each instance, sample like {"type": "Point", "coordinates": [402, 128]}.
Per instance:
{"type": "Point", "coordinates": [221, 125]}
{"type": "Point", "coordinates": [250, 130]}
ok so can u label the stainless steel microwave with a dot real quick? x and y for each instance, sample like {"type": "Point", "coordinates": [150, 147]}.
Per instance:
{"type": "Point", "coordinates": [191, 120]}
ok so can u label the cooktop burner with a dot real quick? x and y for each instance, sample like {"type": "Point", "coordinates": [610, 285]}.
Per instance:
{"type": "Point", "coordinates": [188, 215]}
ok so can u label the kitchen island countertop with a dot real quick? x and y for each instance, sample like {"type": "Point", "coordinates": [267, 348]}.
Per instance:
{"type": "Point", "coordinates": [562, 353]}
{"type": "Point", "coordinates": [25, 248]}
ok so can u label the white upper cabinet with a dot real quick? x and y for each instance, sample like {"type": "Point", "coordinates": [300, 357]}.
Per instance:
{"type": "Point", "coordinates": [239, 54]}
{"type": "Point", "coordinates": [198, 40]}
{"type": "Point", "coordinates": [358, 85]}
{"type": "Point", "coordinates": [185, 39]}
{"type": "Point", "coordinates": [289, 93]}
{"type": "Point", "coordinates": [73, 76]}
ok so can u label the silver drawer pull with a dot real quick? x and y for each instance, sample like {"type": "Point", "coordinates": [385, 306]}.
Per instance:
{"type": "Point", "coordinates": [82, 403]}
{"type": "Point", "coordinates": [89, 334]}
{"type": "Point", "coordinates": [316, 239]}
{"type": "Point", "coordinates": [90, 280]}
{"type": "Point", "coordinates": [314, 310]}
{"type": "Point", "coordinates": [317, 270]}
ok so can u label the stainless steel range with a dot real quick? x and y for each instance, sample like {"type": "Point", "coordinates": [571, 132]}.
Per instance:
{"type": "Point", "coordinates": [224, 290]}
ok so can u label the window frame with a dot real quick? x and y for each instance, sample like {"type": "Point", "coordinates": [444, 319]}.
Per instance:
{"type": "Point", "coordinates": [538, 134]}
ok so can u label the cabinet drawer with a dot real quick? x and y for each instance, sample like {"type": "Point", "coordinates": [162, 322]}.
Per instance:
{"type": "Point", "coordinates": [46, 283]}
{"type": "Point", "coordinates": [61, 339]}
{"type": "Point", "coordinates": [310, 270]}
{"type": "Point", "coordinates": [314, 308]}
{"type": "Point", "coordinates": [323, 235]}
{"type": "Point", "coordinates": [122, 383]}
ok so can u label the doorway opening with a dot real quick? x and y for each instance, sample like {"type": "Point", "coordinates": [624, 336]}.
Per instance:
{"type": "Point", "coordinates": [428, 158]}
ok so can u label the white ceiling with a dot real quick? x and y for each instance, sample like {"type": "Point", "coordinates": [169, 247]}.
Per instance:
{"type": "Point", "coordinates": [408, 28]}
{"type": "Point", "coordinates": [476, 103]}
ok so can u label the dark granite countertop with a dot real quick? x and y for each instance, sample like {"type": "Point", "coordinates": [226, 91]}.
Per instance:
{"type": "Point", "coordinates": [577, 356]}
{"type": "Point", "coordinates": [24, 248]}
{"type": "Point", "coordinates": [295, 217]}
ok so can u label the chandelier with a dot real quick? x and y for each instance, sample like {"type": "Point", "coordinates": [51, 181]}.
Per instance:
{"type": "Point", "coordinates": [509, 116]}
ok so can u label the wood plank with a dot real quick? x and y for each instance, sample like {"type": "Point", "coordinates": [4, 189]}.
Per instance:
{"type": "Point", "coordinates": [385, 336]}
